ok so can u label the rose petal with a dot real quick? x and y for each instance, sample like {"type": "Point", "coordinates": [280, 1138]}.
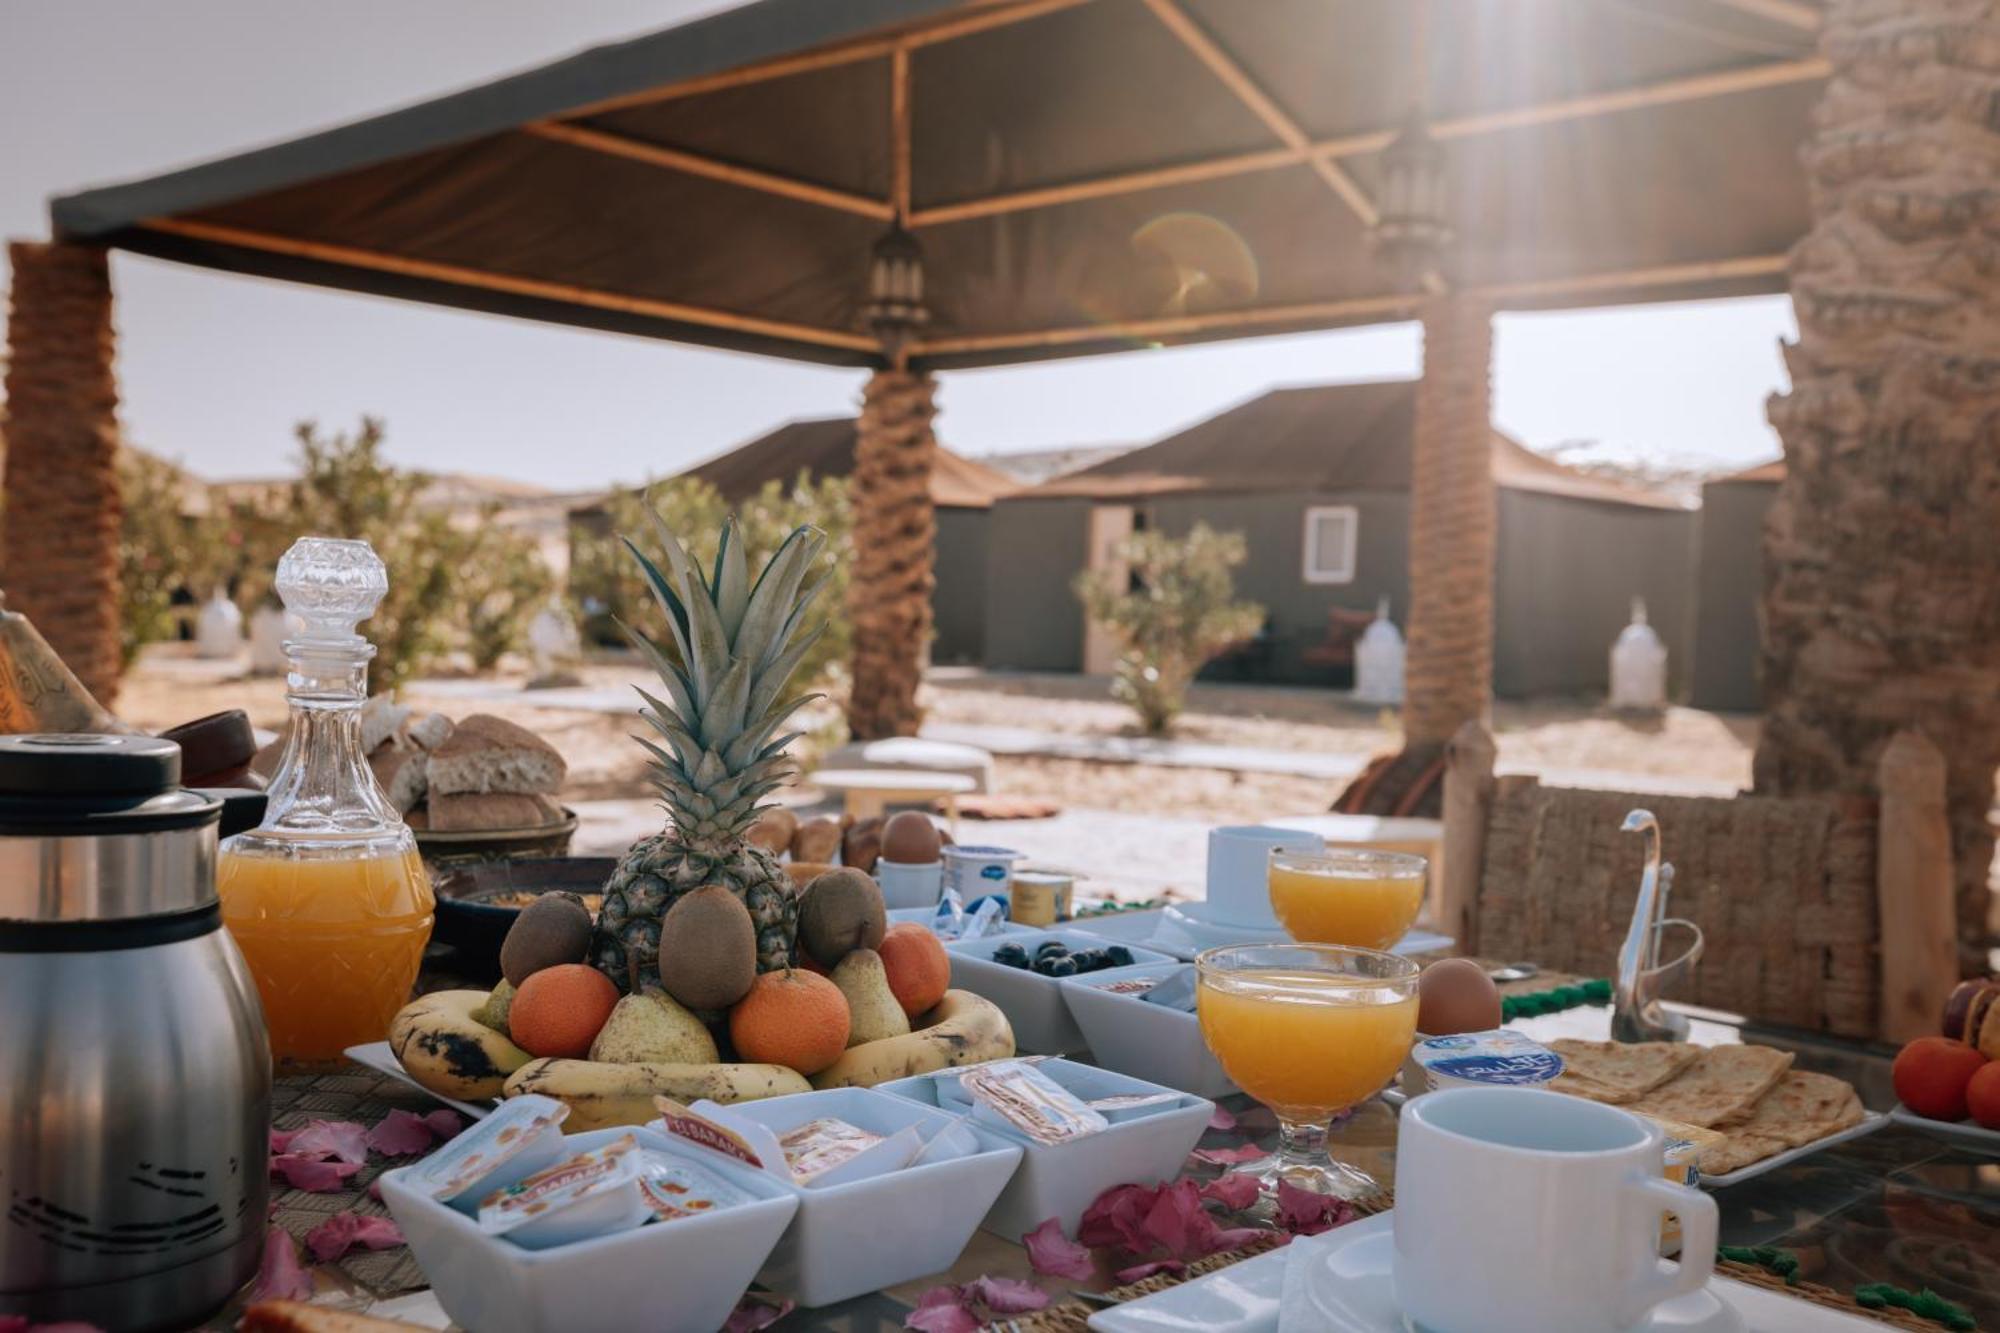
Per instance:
{"type": "Point", "coordinates": [445, 1123]}
{"type": "Point", "coordinates": [1235, 1238]}
{"type": "Point", "coordinates": [943, 1310]}
{"type": "Point", "coordinates": [1055, 1255]}
{"type": "Point", "coordinates": [1304, 1213]}
{"type": "Point", "coordinates": [1233, 1192]}
{"type": "Point", "coordinates": [1222, 1118]}
{"type": "Point", "coordinates": [1007, 1295]}
{"type": "Point", "coordinates": [1247, 1152]}
{"type": "Point", "coordinates": [1178, 1223]}
{"type": "Point", "coordinates": [343, 1231]}
{"type": "Point", "coordinates": [948, 1294]}
{"type": "Point", "coordinates": [311, 1174]}
{"type": "Point", "coordinates": [401, 1134]}
{"type": "Point", "coordinates": [279, 1276]}
{"type": "Point", "coordinates": [281, 1141]}
{"type": "Point", "coordinates": [756, 1311]}
{"type": "Point", "coordinates": [331, 1138]}
{"type": "Point", "coordinates": [1139, 1272]}
{"type": "Point", "coordinates": [375, 1190]}
{"type": "Point", "coordinates": [1113, 1219]}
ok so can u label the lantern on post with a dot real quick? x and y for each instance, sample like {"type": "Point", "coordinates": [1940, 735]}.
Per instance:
{"type": "Point", "coordinates": [1410, 230]}
{"type": "Point", "coordinates": [895, 308]}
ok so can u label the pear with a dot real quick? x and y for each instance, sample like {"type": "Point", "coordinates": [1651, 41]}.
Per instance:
{"type": "Point", "coordinates": [871, 1005]}
{"type": "Point", "coordinates": [499, 1004]}
{"type": "Point", "coordinates": [652, 1027]}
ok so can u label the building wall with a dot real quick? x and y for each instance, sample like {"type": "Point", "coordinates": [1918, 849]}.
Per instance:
{"type": "Point", "coordinates": [1033, 549]}
{"type": "Point", "coordinates": [1729, 584]}
{"type": "Point", "coordinates": [958, 606]}
{"type": "Point", "coordinates": [1566, 574]}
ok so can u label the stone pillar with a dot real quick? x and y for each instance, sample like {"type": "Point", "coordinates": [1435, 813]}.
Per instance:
{"type": "Point", "coordinates": [1449, 664]}
{"type": "Point", "coordinates": [895, 540]}
{"type": "Point", "coordinates": [63, 507]}
{"type": "Point", "coordinates": [1882, 549]}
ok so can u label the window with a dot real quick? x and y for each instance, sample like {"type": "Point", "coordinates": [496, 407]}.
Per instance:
{"type": "Point", "coordinates": [1330, 535]}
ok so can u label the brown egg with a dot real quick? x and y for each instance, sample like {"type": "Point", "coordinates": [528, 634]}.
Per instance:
{"type": "Point", "coordinates": [910, 839]}
{"type": "Point", "coordinates": [1455, 995]}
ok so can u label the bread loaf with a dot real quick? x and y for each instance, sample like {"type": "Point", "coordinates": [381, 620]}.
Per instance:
{"type": "Point", "coordinates": [425, 730]}
{"type": "Point", "coordinates": [490, 812]}
{"type": "Point", "coordinates": [399, 771]}
{"type": "Point", "coordinates": [299, 1317]}
{"type": "Point", "coordinates": [380, 716]}
{"type": "Point", "coordinates": [490, 754]}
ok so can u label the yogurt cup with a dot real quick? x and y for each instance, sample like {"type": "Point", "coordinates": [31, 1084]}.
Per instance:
{"type": "Point", "coordinates": [977, 872]}
{"type": "Point", "coordinates": [1041, 897]}
{"type": "Point", "coordinates": [1501, 1058]}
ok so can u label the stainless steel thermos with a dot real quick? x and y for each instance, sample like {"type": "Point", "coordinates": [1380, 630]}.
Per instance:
{"type": "Point", "coordinates": [135, 1078]}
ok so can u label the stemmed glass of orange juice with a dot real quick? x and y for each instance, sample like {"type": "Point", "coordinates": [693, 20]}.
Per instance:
{"type": "Point", "coordinates": [1309, 1030]}
{"type": "Point", "coordinates": [1352, 896]}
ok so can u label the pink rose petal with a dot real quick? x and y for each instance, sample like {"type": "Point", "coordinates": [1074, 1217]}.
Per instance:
{"type": "Point", "coordinates": [1113, 1219]}
{"type": "Point", "coordinates": [1178, 1223]}
{"type": "Point", "coordinates": [1139, 1272]}
{"type": "Point", "coordinates": [943, 1310]}
{"type": "Point", "coordinates": [1247, 1152]}
{"type": "Point", "coordinates": [1053, 1254]}
{"type": "Point", "coordinates": [1233, 1192]}
{"type": "Point", "coordinates": [947, 1294]}
{"type": "Point", "coordinates": [1304, 1213]}
{"type": "Point", "coordinates": [1223, 1119]}
{"type": "Point", "coordinates": [1007, 1295]}
{"type": "Point", "coordinates": [279, 1276]}
{"type": "Point", "coordinates": [375, 1189]}
{"type": "Point", "coordinates": [311, 1174]}
{"type": "Point", "coordinates": [756, 1312]}
{"type": "Point", "coordinates": [331, 1138]}
{"type": "Point", "coordinates": [281, 1141]}
{"type": "Point", "coordinates": [343, 1231]}
{"type": "Point", "coordinates": [401, 1134]}
{"type": "Point", "coordinates": [1235, 1238]}
{"type": "Point", "coordinates": [445, 1123]}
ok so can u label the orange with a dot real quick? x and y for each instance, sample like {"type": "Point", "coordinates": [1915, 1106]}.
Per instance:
{"type": "Point", "coordinates": [558, 1010]}
{"type": "Point", "coordinates": [1931, 1075]}
{"type": "Point", "coordinates": [919, 969]}
{"type": "Point", "coordinates": [789, 1018]}
{"type": "Point", "coordinates": [1982, 1095]}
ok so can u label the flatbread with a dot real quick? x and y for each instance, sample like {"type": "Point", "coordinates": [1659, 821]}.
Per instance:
{"type": "Point", "coordinates": [1721, 1088]}
{"type": "Point", "coordinates": [1803, 1108]}
{"type": "Point", "coordinates": [1618, 1072]}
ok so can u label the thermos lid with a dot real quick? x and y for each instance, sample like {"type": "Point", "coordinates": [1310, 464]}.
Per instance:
{"type": "Point", "coordinates": [88, 764]}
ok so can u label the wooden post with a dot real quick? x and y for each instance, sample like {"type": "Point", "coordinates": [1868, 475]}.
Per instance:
{"type": "Point", "coordinates": [1468, 800]}
{"type": "Point", "coordinates": [1913, 888]}
{"type": "Point", "coordinates": [895, 535]}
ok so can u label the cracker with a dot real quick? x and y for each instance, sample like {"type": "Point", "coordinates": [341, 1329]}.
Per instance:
{"type": "Point", "coordinates": [1618, 1072]}
{"type": "Point", "coordinates": [1721, 1088]}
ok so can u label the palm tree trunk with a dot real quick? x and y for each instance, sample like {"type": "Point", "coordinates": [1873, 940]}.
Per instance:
{"type": "Point", "coordinates": [895, 537]}
{"type": "Point", "coordinates": [1882, 549]}
{"type": "Point", "coordinates": [63, 507]}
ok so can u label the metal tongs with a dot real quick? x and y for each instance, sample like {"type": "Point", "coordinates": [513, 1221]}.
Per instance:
{"type": "Point", "coordinates": [1636, 1013]}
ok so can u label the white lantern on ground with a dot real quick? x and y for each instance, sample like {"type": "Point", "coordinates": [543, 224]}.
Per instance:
{"type": "Point", "coordinates": [267, 641]}
{"type": "Point", "coordinates": [554, 644]}
{"type": "Point", "coordinates": [1378, 660]}
{"type": "Point", "coordinates": [1639, 665]}
{"type": "Point", "coordinates": [218, 630]}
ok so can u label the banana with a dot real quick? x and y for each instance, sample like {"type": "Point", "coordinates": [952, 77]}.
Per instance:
{"type": "Point", "coordinates": [964, 1029]}
{"type": "Point", "coordinates": [601, 1094]}
{"type": "Point", "coordinates": [445, 1048]}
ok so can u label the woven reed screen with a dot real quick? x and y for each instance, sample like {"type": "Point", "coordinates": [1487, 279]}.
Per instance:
{"type": "Point", "coordinates": [1783, 890]}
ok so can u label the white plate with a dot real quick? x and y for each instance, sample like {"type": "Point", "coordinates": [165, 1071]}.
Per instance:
{"type": "Point", "coordinates": [1870, 1122]}
{"type": "Point", "coordinates": [1167, 930]}
{"type": "Point", "coordinates": [1958, 1129]}
{"type": "Point", "coordinates": [1244, 1298]}
{"type": "Point", "coordinates": [377, 1055]}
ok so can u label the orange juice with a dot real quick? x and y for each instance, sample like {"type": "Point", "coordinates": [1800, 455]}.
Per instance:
{"type": "Point", "coordinates": [333, 943]}
{"type": "Point", "coordinates": [1304, 1043]}
{"type": "Point", "coordinates": [1364, 911]}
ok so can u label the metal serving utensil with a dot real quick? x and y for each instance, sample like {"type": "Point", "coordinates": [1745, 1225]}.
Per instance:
{"type": "Point", "coordinates": [1637, 1014]}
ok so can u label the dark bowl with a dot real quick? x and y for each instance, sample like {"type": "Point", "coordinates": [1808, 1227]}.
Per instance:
{"type": "Point", "coordinates": [468, 922]}
{"type": "Point", "coordinates": [443, 851]}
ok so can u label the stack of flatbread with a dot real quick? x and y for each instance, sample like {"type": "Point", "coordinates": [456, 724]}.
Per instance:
{"type": "Point", "coordinates": [1749, 1096]}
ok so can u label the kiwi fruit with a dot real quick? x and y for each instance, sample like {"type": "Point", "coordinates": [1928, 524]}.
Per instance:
{"type": "Point", "coordinates": [708, 949]}
{"type": "Point", "coordinates": [553, 929]}
{"type": "Point", "coordinates": [839, 912]}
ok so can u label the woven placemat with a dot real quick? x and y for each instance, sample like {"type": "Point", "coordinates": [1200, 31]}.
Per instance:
{"type": "Point", "coordinates": [1754, 1276]}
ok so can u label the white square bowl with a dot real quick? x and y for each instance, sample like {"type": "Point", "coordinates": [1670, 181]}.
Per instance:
{"type": "Point", "coordinates": [1061, 1180]}
{"type": "Point", "coordinates": [681, 1276]}
{"type": "Point", "coordinates": [1032, 1002]}
{"type": "Point", "coordinates": [1148, 1041]}
{"type": "Point", "coordinates": [869, 1234]}
{"type": "Point", "coordinates": [923, 916]}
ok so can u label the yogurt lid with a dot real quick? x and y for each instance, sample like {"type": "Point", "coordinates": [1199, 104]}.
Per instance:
{"type": "Point", "coordinates": [964, 853]}
{"type": "Point", "coordinates": [1503, 1058]}
{"type": "Point", "coordinates": [486, 1145]}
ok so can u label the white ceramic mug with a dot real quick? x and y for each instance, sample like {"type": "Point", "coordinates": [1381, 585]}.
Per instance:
{"type": "Point", "coordinates": [1239, 886]}
{"type": "Point", "coordinates": [910, 885]}
{"type": "Point", "coordinates": [1521, 1211]}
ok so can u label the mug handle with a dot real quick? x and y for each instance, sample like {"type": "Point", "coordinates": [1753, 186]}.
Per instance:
{"type": "Point", "coordinates": [1648, 1197]}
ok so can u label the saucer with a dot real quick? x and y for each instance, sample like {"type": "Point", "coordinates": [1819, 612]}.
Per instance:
{"type": "Point", "coordinates": [1198, 921]}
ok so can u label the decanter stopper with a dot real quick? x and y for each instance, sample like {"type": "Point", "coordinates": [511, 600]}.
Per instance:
{"type": "Point", "coordinates": [331, 585]}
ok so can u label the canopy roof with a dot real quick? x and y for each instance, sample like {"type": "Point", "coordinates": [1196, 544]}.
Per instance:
{"type": "Point", "coordinates": [1083, 175]}
{"type": "Point", "coordinates": [1318, 438]}
{"type": "Point", "coordinates": [825, 448]}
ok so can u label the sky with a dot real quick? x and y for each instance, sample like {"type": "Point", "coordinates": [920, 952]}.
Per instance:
{"type": "Point", "coordinates": [216, 369]}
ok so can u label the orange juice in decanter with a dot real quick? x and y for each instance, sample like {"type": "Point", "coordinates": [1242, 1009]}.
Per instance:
{"type": "Point", "coordinates": [327, 899]}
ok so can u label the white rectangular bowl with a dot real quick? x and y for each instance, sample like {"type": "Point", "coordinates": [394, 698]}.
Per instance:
{"type": "Point", "coordinates": [1062, 1180]}
{"type": "Point", "coordinates": [923, 916]}
{"type": "Point", "coordinates": [1032, 1002]}
{"type": "Point", "coordinates": [869, 1234]}
{"type": "Point", "coordinates": [682, 1276]}
{"type": "Point", "coordinates": [1147, 1041]}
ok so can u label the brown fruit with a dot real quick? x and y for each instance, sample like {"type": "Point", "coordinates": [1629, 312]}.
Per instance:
{"type": "Point", "coordinates": [861, 845]}
{"type": "Point", "coordinates": [773, 830]}
{"type": "Point", "coordinates": [552, 930]}
{"type": "Point", "coordinates": [840, 912]}
{"type": "Point", "coordinates": [919, 969]}
{"type": "Point", "coordinates": [1931, 1075]}
{"type": "Point", "coordinates": [558, 1010]}
{"type": "Point", "coordinates": [708, 949]}
{"type": "Point", "coordinates": [818, 839]}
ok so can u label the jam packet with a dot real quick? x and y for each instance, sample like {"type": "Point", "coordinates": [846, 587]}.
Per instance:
{"type": "Point", "coordinates": [1173, 991]}
{"type": "Point", "coordinates": [1030, 1103]}
{"type": "Point", "coordinates": [591, 1194]}
{"type": "Point", "coordinates": [521, 1137]}
{"type": "Point", "coordinates": [818, 1146]}
{"type": "Point", "coordinates": [672, 1188]}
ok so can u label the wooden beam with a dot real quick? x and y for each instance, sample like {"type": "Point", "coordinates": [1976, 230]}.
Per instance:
{"type": "Point", "coordinates": [1663, 275]}
{"type": "Point", "coordinates": [461, 276]}
{"type": "Point", "coordinates": [695, 164]}
{"type": "Point", "coordinates": [1691, 88]}
{"type": "Point", "coordinates": [1803, 17]}
{"type": "Point", "coordinates": [899, 132]}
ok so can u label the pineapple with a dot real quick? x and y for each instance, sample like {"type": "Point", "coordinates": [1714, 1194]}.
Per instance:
{"type": "Point", "coordinates": [718, 752]}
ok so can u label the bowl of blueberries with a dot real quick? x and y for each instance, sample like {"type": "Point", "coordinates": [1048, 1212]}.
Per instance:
{"type": "Point", "coordinates": [1022, 973]}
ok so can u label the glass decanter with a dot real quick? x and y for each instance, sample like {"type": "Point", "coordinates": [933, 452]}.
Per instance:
{"type": "Point", "coordinates": [327, 898]}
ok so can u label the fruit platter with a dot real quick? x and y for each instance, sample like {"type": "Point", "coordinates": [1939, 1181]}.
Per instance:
{"type": "Point", "coordinates": [1950, 1083]}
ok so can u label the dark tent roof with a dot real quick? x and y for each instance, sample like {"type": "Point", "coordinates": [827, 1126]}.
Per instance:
{"type": "Point", "coordinates": [1764, 473]}
{"type": "Point", "coordinates": [1083, 175]}
{"type": "Point", "coordinates": [825, 448]}
{"type": "Point", "coordinates": [1317, 438]}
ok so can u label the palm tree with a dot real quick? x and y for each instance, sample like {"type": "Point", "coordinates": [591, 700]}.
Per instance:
{"type": "Point", "coordinates": [895, 532]}
{"type": "Point", "coordinates": [1882, 550]}
{"type": "Point", "coordinates": [62, 457]}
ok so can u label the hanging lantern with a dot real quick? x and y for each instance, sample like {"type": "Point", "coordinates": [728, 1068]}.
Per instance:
{"type": "Point", "coordinates": [1410, 232]}
{"type": "Point", "coordinates": [895, 309]}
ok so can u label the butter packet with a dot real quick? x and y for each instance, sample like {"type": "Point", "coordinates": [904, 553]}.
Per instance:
{"type": "Point", "coordinates": [672, 1188]}
{"type": "Point", "coordinates": [521, 1137]}
{"type": "Point", "coordinates": [1681, 1164]}
{"type": "Point", "coordinates": [591, 1194]}
{"type": "Point", "coordinates": [1030, 1103]}
{"type": "Point", "coordinates": [818, 1146]}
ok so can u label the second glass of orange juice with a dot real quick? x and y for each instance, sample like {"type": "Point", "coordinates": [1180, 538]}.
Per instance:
{"type": "Point", "coordinates": [1357, 897]}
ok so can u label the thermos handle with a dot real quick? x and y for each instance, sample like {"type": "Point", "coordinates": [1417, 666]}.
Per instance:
{"type": "Point", "coordinates": [242, 807]}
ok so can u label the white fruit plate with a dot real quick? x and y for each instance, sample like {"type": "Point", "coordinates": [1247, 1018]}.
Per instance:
{"type": "Point", "coordinates": [1032, 1002]}
{"type": "Point", "coordinates": [377, 1056]}
{"type": "Point", "coordinates": [1969, 1130]}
